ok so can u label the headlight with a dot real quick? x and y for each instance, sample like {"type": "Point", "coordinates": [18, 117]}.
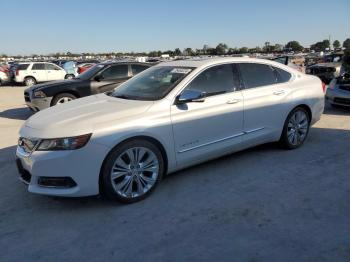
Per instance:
{"type": "Point", "coordinates": [39, 94]}
{"type": "Point", "coordinates": [67, 143]}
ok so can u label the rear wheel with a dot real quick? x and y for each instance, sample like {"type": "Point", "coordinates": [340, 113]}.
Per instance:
{"type": "Point", "coordinates": [296, 128]}
{"type": "Point", "coordinates": [29, 81]}
{"type": "Point", "coordinates": [69, 77]}
{"type": "Point", "coordinates": [132, 171]}
{"type": "Point", "coordinates": [62, 98]}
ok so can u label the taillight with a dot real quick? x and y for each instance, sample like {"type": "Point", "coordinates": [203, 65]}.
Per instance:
{"type": "Point", "coordinates": [324, 87]}
{"type": "Point", "coordinates": [17, 72]}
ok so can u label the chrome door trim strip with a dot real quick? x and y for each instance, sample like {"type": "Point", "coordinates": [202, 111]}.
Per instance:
{"type": "Point", "coordinates": [212, 142]}
{"type": "Point", "coordinates": [254, 130]}
{"type": "Point", "coordinates": [222, 139]}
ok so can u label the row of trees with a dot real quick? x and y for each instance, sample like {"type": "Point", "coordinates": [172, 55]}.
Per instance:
{"type": "Point", "coordinates": [221, 49]}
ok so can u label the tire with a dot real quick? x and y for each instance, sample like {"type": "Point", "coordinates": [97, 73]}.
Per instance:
{"type": "Point", "coordinates": [62, 98]}
{"type": "Point", "coordinates": [296, 128]}
{"type": "Point", "coordinates": [69, 77]}
{"type": "Point", "coordinates": [131, 184]}
{"type": "Point", "coordinates": [29, 81]}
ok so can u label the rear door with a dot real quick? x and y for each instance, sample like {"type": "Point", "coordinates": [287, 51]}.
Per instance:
{"type": "Point", "coordinates": [38, 70]}
{"type": "Point", "coordinates": [110, 78]}
{"type": "Point", "coordinates": [265, 97]}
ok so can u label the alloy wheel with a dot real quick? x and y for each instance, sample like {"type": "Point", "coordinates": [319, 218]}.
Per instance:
{"type": "Point", "coordinates": [134, 172]}
{"type": "Point", "coordinates": [298, 127]}
{"type": "Point", "coordinates": [64, 100]}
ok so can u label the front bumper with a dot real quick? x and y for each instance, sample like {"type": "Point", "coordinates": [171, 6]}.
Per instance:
{"type": "Point", "coordinates": [338, 97]}
{"type": "Point", "coordinates": [81, 168]}
{"type": "Point", "coordinates": [37, 104]}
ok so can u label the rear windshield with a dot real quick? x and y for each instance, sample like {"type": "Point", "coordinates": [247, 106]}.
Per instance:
{"type": "Point", "coordinates": [22, 66]}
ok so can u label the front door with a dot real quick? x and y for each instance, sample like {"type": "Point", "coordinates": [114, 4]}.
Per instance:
{"type": "Point", "coordinates": [212, 127]}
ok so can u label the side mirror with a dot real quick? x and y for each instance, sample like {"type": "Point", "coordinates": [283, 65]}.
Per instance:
{"type": "Point", "coordinates": [98, 78]}
{"type": "Point", "coordinates": [190, 96]}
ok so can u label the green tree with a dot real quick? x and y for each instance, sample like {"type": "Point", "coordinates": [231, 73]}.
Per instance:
{"type": "Point", "coordinates": [321, 46]}
{"type": "Point", "coordinates": [243, 50]}
{"type": "Point", "coordinates": [295, 46]}
{"type": "Point", "coordinates": [221, 49]}
{"type": "Point", "coordinates": [177, 52]}
{"type": "Point", "coordinates": [188, 51]}
{"type": "Point", "coordinates": [346, 43]}
{"type": "Point", "coordinates": [336, 44]}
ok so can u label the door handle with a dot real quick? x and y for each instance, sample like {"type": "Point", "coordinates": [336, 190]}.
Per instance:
{"type": "Point", "coordinates": [279, 92]}
{"type": "Point", "coordinates": [233, 101]}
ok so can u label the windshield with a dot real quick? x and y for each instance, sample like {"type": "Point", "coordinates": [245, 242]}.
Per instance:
{"type": "Point", "coordinates": [152, 84]}
{"type": "Point", "coordinates": [90, 72]}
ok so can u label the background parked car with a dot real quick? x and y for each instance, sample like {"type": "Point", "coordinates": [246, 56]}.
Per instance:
{"type": "Point", "coordinates": [32, 73]}
{"type": "Point", "coordinates": [4, 74]}
{"type": "Point", "coordinates": [71, 69]}
{"type": "Point", "coordinates": [83, 67]}
{"type": "Point", "coordinates": [325, 71]}
{"type": "Point", "coordinates": [338, 92]}
{"type": "Point", "coordinates": [98, 79]}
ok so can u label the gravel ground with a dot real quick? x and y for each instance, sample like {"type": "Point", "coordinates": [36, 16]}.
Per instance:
{"type": "Point", "coordinates": [262, 204]}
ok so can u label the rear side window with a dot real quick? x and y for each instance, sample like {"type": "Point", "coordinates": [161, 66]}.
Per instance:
{"type": "Point", "coordinates": [138, 69]}
{"type": "Point", "coordinates": [256, 75]}
{"type": "Point", "coordinates": [115, 72]}
{"type": "Point", "coordinates": [22, 66]}
{"type": "Point", "coordinates": [38, 66]}
{"type": "Point", "coordinates": [282, 76]}
{"type": "Point", "coordinates": [215, 80]}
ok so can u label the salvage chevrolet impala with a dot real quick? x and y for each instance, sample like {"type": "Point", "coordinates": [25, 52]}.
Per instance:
{"type": "Point", "coordinates": [171, 116]}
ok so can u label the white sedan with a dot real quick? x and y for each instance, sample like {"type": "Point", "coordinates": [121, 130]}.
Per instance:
{"type": "Point", "coordinates": [169, 117]}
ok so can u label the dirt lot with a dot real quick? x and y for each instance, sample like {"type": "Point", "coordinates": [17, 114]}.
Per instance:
{"type": "Point", "coordinates": [263, 204]}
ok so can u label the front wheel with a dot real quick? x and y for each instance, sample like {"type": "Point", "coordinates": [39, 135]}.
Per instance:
{"type": "Point", "coordinates": [296, 128]}
{"type": "Point", "coordinates": [132, 171]}
{"type": "Point", "coordinates": [62, 98]}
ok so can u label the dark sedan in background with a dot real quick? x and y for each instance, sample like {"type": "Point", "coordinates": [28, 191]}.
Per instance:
{"type": "Point", "coordinates": [100, 78]}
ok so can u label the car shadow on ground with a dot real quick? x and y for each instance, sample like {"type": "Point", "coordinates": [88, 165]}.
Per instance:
{"type": "Point", "coordinates": [268, 156]}
{"type": "Point", "coordinates": [336, 110]}
{"type": "Point", "coordinates": [22, 113]}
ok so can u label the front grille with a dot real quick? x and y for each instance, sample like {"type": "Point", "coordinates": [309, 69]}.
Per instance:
{"type": "Point", "coordinates": [345, 101]}
{"type": "Point", "coordinates": [345, 87]}
{"type": "Point", "coordinates": [26, 97]}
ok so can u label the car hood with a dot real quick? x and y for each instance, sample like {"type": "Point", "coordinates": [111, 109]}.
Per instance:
{"type": "Point", "coordinates": [82, 116]}
{"type": "Point", "coordinates": [53, 84]}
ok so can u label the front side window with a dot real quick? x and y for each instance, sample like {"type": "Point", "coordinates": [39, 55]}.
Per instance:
{"type": "Point", "coordinates": [216, 80]}
{"type": "Point", "coordinates": [115, 72]}
{"type": "Point", "coordinates": [256, 75]}
{"type": "Point", "coordinates": [51, 67]}
{"type": "Point", "coordinates": [38, 66]}
{"type": "Point", "coordinates": [152, 84]}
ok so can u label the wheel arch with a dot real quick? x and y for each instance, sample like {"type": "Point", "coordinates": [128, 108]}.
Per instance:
{"type": "Point", "coordinates": [150, 139]}
{"type": "Point", "coordinates": [30, 76]}
{"type": "Point", "coordinates": [306, 108]}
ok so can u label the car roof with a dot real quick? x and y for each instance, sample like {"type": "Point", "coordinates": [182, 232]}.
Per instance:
{"type": "Point", "coordinates": [125, 62]}
{"type": "Point", "coordinates": [204, 62]}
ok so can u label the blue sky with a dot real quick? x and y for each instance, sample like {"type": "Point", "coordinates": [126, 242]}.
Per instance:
{"type": "Point", "coordinates": [42, 27]}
